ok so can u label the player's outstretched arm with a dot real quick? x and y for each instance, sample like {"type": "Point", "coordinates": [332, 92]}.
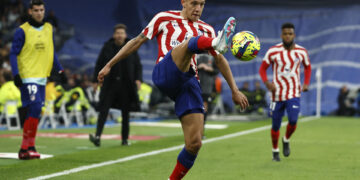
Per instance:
{"type": "Point", "coordinates": [237, 96]}
{"type": "Point", "coordinates": [130, 47]}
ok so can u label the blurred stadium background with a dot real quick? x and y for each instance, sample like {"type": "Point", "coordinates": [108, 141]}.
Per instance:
{"type": "Point", "coordinates": [328, 29]}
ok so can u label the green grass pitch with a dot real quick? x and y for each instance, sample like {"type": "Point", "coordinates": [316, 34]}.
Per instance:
{"type": "Point", "coordinates": [325, 148]}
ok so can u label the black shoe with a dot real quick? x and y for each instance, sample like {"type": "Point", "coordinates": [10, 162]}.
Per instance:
{"type": "Point", "coordinates": [125, 143]}
{"type": "Point", "coordinates": [23, 154]}
{"type": "Point", "coordinates": [95, 140]}
{"type": "Point", "coordinates": [276, 156]}
{"type": "Point", "coordinates": [286, 148]}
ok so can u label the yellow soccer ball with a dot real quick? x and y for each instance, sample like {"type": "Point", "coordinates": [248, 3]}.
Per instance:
{"type": "Point", "coordinates": [245, 45]}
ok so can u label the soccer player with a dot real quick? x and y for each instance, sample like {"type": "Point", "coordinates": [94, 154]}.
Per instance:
{"type": "Point", "coordinates": [181, 35]}
{"type": "Point", "coordinates": [32, 58]}
{"type": "Point", "coordinates": [285, 59]}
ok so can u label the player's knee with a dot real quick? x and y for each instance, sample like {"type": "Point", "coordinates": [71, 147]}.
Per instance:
{"type": "Point", "coordinates": [194, 146]}
{"type": "Point", "coordinates": [275, 128]}
{"type": "Point", "coordinates": [292, 122]}
{"type": "Point", "coordinates": [193, 45]}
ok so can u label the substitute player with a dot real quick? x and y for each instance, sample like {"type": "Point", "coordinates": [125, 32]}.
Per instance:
{"type": "Point", "coordinates": [32, 59]}
{"type": "Point", "coordinates": [285, 59]}
{"type": "Point", "coordinates": [181, 35]}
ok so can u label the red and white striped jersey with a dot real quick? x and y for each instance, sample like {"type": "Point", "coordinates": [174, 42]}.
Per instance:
{"type": "Point", "coordinates": [286, 70]}
{"type": "Point", "coordinates": [171, 29]}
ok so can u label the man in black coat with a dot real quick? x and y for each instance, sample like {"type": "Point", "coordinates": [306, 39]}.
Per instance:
{"type": "Point", "coordinates": [119, 89]}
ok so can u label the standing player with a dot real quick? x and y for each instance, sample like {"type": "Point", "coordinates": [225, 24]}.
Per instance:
{"type": "Point", "coordinates": [285, 59]}
{"type": "Point", "coordinates": [180, 35]}
{"type": "Point", "coordinates": [32, 59]}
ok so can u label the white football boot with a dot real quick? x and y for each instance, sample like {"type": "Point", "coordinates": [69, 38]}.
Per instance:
{"type": "Point", "coordinates": [221, 42]}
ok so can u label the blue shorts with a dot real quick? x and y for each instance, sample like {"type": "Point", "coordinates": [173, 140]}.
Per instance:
{"type": "Point", "coordinates": [32, 93]}
{"type": "Point", "coordinates": [292, 107]}
{"type": "Point", "coordinates": [183, 88]}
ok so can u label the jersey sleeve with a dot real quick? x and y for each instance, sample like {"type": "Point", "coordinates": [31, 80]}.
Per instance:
{"type": "Point", "coordinates": [155, 26]}
{"type": "Point", "coordinates": [307, 68]}
{"type": "Point", "coordinates": [267, 58]}
{"type": "Point", "coordinates": [56, 64]}
{"type": "Point", "coordinates": [16, 47]}
{"type": "Point", "coordinates": [306, 61]}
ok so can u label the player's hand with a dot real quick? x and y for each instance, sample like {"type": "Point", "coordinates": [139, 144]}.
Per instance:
{"type": "Point", "coordinates": [63, 78]}
{"type": "Point", "coordinates": [104, 71]}
{"type": "Point", "coordinates": [95, 86]}
{"type": "Point", "coordinates": [270, 86]}
{"type": "Point", "coordinates": [17, 80]}
{"type": "Point", "coordinates": [305, 88]}
{"type": "Point", "coordinates": [138, 84]}
{"type": "Point", "coordinates": [240, 99]}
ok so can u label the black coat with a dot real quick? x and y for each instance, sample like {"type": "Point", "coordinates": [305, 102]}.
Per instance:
{"type": "Point", "coordinates": [119, 88]}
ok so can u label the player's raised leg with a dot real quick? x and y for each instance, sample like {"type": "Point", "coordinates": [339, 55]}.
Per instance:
{"type": "Point", "coordinates": [192, 125]}
{"type": "Point", "coordinates": [182, 54]}
{"type": "Point", "coordinates": [293, 110]}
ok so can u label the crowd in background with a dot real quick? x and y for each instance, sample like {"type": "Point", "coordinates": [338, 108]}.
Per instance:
{"type": "Point", "coordinates": [348, 102]}
{"type": "Point", "coordinates": [256, 97]}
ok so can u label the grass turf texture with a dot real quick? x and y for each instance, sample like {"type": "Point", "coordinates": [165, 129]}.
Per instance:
{"type": "Point", "coordinates": [326, 148]}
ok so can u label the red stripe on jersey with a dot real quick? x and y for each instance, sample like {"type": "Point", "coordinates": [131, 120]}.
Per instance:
{"type": "Point", "coordinates": [191, 24]}
{"type": "Point", "coordinates": [208, 32]}
{"type": "Point", "coordinates": [160, 52]}
{"type": "Point", "coordinates": [297, 73]}
{"type": "Point", "coordinates": [283, 62]}
{"type": "Point", "coordinates": [174, 13]}
{"type": "Point", "coordinates": [183, 30]}
{"type": "Point", "coordinates": [287, 87]}
{"type": "Point", "coordinates": [201, 28]}
{"type": "Point", "coordinates": [273, 93]}
{"type": "Point", "coordinates": [291, 60]}
{"type": "Point", "coordinates": [294, 86]}
{"type": "Point", "coordinates": [298, 77]}
{"type": "Point", "coordinates": [157, 24]}
{"type": "Point", "coordinates": [170, 32]}
{"type": "Point", "coordinates": [196, 69]}
{"type": "Point", "coordinates": [146, 31]}
{"type": "Point", "coordinates": [278, 82]}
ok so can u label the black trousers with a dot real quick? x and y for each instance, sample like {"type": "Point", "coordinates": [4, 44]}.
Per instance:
{"type": "Point", "coordinates": [125, 127]}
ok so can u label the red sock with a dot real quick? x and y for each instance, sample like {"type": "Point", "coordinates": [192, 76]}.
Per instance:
{"type": "Point", "coordinates": [25, 140]}
{"type": "Point", "coordinates": [32, 134]}
{"type": "Point", "coordinates": [290, 129]}
{"type": "Point", "coordinates": [205, 43]}
{"type": "Point", "coordinates": [179, 172]}
{"type": "Point", "coordinates": [275, 138]}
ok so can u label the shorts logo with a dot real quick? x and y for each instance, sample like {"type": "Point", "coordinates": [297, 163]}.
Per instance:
{"type": "Point", "coordinates": [32, 97]}
{"type": "Point", "coordinates": [295, 107]}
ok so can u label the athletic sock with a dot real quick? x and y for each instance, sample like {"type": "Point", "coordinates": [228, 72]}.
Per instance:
{"type": "Point", "coordinates": [26, 133]}
{"type": "Point", "coordinates": [184, 162]}
{"type": "Point", "coordinates": [33, 128]}
{"type": "Point", "coordinates": [275, 138]}
{"type": "Point", "coordinates": [290, 129]}
{"type": "Point", "coordinates": [199, 44]}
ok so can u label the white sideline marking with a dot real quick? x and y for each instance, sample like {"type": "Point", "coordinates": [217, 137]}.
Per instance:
{"type": "Point", "coordinates": [151, 153]}
{"type": "Point", "coordinates": [177, 125]}
{"type": "Point", "coordinates": [7, 155]}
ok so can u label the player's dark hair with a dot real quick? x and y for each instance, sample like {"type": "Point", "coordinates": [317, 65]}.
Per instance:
{"type": "Point", "coordinates": [120, 26]}
{"type": "Point", "coordinates": [288, 25]}
{"type": "Point", "coordinates": [36, 2]}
